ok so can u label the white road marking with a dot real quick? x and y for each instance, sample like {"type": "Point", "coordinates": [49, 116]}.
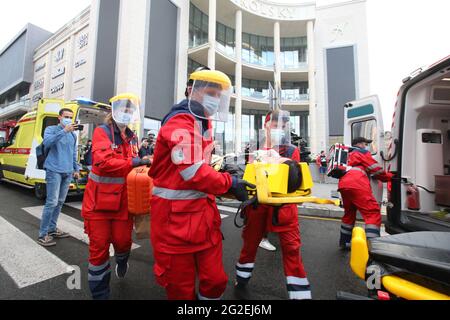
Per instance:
{"type": "Point", "coordinates": [75, 205]}
{"type": "Point", "coordinates": [25, 261]}
{"type": "Point", "coordinates": [78, 205]}
{"type": "Point", "coordinates": [227, 209]}
{"type": "Point", "coordinates": [73, 226]}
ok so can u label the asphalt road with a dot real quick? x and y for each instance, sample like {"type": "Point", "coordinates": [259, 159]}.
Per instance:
{"type": "Point", "coordinates": [26, 274]}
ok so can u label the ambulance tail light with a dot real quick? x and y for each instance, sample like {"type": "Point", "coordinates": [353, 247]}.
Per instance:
{"type": "Point", "coordinates": [413, 197]}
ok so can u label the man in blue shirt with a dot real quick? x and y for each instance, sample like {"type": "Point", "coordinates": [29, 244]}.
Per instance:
{"type": "Point", "coordinates": [60, 166]}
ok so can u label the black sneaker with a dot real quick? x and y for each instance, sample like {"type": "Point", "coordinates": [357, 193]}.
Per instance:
{"type": "Point", "coordinates": [240, 284]}
{"type": "Point", "coordinates": [58, 234]}
{"type": "Point", "coordinates": [46, 241]}
{"type": "Point", "coordinates": [121, 270]}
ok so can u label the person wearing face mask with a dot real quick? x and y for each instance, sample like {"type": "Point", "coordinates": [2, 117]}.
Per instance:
{"type": "Point", "coordinates": [283, 220]}
{"type": "Point", "coordinates": [357, 194]}
{"type": "Point", "coordinates": [185, 220]}
{"type": "Point", "coordinates": [61, 167]}
{"type": "Point", "coordinates": [105, 202]}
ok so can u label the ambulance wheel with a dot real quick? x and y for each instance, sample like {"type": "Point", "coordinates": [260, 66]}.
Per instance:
{"type": "Point", "coordinates": [40, 191]}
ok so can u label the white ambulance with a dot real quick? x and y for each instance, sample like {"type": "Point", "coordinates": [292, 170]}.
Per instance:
{"type": "Point", "coordinates": [418, 152]}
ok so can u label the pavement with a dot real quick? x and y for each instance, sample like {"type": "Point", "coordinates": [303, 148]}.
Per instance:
{"type": "Point", "coordinates": [29, 271]}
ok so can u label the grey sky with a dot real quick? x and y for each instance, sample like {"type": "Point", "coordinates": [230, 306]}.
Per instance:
{"type": "Point", "coordinates": [403, 35]}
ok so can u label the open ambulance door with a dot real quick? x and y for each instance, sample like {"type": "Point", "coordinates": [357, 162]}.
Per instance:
{"type": "Point", "coordinates": [46, 115]}
{"type": "Point", "coordinates": [363, 118]}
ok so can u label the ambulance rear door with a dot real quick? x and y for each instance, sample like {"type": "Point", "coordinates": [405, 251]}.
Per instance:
{"type": "Point", "coordinates": [363, 118]}
{"type": "Point", "coordinates": [46, 115]}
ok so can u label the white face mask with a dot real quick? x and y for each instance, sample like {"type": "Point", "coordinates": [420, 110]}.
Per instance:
{"type": "Point", "coordinates": [277, 136]}
{"type": "Point", "coordinates": [211, 105]}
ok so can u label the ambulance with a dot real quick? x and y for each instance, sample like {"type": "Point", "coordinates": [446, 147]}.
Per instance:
{"type": "Point", "coordinates": [18, 163]}
{"type": "Point", "coordinates": [418, 151]}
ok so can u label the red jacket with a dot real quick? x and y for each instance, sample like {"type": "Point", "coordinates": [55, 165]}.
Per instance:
{"type": "Point", "coordinates": [105, 197]}
{"type": "Point", "coordinates": [184, 214]}
{"type": "Point", "coordinates": [363, 165]}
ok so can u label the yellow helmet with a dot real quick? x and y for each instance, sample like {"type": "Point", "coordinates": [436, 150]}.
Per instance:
{"type": "Point", "coordinates": [126, 108]}
{"type": "Point", "coordinates": [211, 94]}
{"type": "Point", "coordinates": [212, 76]}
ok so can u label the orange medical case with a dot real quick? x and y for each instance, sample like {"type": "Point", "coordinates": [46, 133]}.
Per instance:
{"type": "Point", "coordinates": [140, 187]}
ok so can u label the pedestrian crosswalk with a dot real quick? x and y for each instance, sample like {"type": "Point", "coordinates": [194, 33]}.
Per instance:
{"type": "Point", "coordinates": [27, 263]}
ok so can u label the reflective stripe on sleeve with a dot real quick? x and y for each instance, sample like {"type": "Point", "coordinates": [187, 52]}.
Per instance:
{"type": "Point", "coordinates": [189, 173]}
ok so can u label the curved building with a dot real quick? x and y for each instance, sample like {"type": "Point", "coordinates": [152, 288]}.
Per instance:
{"type": "Point", "coordinates": [317, 55]}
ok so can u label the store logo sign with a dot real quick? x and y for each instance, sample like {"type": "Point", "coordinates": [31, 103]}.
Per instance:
{"type": "Point", "coordinates": [59, 72]}
{"type": "Point", "coordinates": [268, 10]}
{"type": "Point", "coordinates": [79, 63]}
{"type": "Point", "coordinates": [59, 55]}
{"type": "Point", "coordinates": [83, 41]}
{"type": "Point", "coordinates": [40, 67]}
{"type": "Point", "coordinates": [38, 96]}
{"type": "Point", "coordinates": [39, 84]}
{"type": "Point", "coordinates": [79, 79]}
{"type": "Point", "coordinates": [57, 88]}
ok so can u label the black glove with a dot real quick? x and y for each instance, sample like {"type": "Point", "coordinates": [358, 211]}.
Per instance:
{"type": "Point", "coordinates": [239, 189]}
{"type": "Point", "coordinates": [141, 162]}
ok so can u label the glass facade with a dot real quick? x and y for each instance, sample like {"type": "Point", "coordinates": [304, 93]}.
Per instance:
{"type": "Point", "coordinates": [291, 91]}
{"type": "Point", "coordinates": [294, 52]}
{"type": "Point", "coordinates": [257, 50]}
{"type": "Point", "coordinates": [225, 37]}
{"type": "Point", "coordinates": [198, 27]}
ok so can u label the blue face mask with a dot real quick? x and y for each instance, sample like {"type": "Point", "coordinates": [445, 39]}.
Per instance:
{"type": "Point", "coordinates": [211, 105]}
{"type": "Point", "coordinates": [65, 122]}
{"type": "Point", "coordinates": [123, 118]}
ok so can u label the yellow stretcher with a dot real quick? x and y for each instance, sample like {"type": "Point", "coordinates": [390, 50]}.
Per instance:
{"type": "Point", "coordinates": [271, 182]}
{"type": "Point", "coordinates": [397, 286]}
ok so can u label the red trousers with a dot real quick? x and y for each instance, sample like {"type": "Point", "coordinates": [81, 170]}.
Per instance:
{"type": "Point", "coordinates": [362, 201]}
{"type": "Point", "coordinates": [256, 229]}
{"type": "Point", "coordinates": [177, 274]}
{"type": "Point", "coordinates": [104, 232]}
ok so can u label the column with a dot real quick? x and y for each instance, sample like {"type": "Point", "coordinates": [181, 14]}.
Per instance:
{"type": "Point", "coordinates": [48, 75]}
{"type": "Point", "coordinates": [315, 137]}
{"type": "Point", "coordinates": [212, 34]}
{"type": "Point", "coordinates": [68, 77]}
{"type": "Point", "coordinates": [277, 49]}
{"type": "Point", "coordinates": [238, 84]}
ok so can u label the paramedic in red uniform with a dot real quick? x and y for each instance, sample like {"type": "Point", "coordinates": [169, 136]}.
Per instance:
{"type": "Point", "coordinates": [105, 205]}
{"type": "Point", "coordinates": [284, 220]}
{"type": "Point", "coordinates": [357, 194]}
{"type": "Point", "coordinates": [185, 221]}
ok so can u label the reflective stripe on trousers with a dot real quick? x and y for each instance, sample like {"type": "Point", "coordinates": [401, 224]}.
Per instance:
{"type": "Point", "coordinates": [244, 271]}
{"type": "Point", "coordinates": [298, 288]}
{"type": "Point", "coordinates": [98, 278]}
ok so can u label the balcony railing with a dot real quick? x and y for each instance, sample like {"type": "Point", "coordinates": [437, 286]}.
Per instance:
{"type": "Point", "coordinates": [287, 95]}
{"type": "Point", "coordinates": [20, 106]}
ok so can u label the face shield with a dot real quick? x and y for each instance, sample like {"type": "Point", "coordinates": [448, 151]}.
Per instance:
{"type": "Point", "coordinates": [277, 129]}
{"type": "Point", "coordinates": [210, 96]}
{"type": "Point", "coordinates": [126, 109]}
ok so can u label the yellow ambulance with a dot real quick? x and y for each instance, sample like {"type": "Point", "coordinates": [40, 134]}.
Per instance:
{"type": "Point", "coordinates": [18, 163]}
